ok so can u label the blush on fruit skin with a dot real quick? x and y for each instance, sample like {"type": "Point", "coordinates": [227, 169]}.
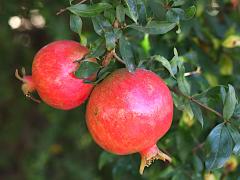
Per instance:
{"type": "Point", "coordinates": [53, 75]}
{"type": "Point", "coordinates": [129, 112]}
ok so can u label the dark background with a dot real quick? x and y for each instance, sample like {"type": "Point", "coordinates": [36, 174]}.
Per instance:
{"type": "Point", "coordinates": [38, 142]}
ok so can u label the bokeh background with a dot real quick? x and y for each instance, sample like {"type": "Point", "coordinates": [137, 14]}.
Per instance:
{"type": "Point", "coordinates": [38, 142]}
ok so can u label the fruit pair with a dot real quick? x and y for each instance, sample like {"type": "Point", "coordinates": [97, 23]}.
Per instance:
{"type": "Point", "coordinates": [126, 113]}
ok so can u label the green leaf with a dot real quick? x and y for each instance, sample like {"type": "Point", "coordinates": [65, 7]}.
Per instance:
{"type": "Point", "coordinates": [236, 138]}
{"type": "Point", "coordinates": [183, 85]}
{"type": "Point", "coordinates": [76, 24]}
{"type": "Point", "coordinates": [103, 26]}
{"type": "Point", "coordinates": [86, 69]}
{"type": "Point", "coordinates": [219, 143]}
{"type": "Point", "coordinates": [110, 40]}
{"type": "Point", "coordinates": [105, 158]}
{"type": "Point", "coordinates": [190, 12]}
{"type": "Point", "coordinates": [178, 102]}
{"type": "Point", "coordinates": [127, 54]}
{"type": "Point", "coordinates": [175, 15]}
{"type": "Point", "coordinates": [164, 62]}
{"type": "Point", "coordinates": [96, 26]}
{"type": "Point", "coordinates": [223, 94]}
{"type": "Point", "coordinates": [230, 103]}
{"type": "Point", "coordinates": [154, 27]}
{"type": "Point", "coordinates": [210, 92]}
{"type": "Point", "coordinates": [145, 43]}
{"type": "Point", "coordinates": [197, 163]}
{"type": "Point", "coordinates": [175, 62]}
{"type": "Point", "coordinates": [86, 10]}
{"type": "Point", "coordinates": [226, 65]}
{"type": "Point", "coordinates": [142, 12]}
{"type": "Point", "coordinates": [179, 3]}
{"type": "Point", "coordinates": [120, 13]}
{"type": "Point", "coordinates": [97, 49]}
{"type": "Point", "coordinates": [110, 15]}
{"type": "Point", "coordinates": [104, 72]}
{"type": "Point", "coordinates": [197, 113]}
{"type": "Point", "coordinates": [83, 40]}
{"type": "Point", "coordinates": [237, 111]}
{"type": "Point", "coordinates": [132, 7]}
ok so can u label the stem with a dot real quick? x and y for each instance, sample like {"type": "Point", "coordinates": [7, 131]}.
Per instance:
{"type": "Point", "coordinates": [198, 103]}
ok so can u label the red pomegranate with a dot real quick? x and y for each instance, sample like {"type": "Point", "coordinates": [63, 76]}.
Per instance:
{"type": "Point", "coordinates": [53, 75]}
{"type": "Point", "coordinates": [129, 112]}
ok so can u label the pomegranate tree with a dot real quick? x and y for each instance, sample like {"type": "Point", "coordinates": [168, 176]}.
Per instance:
{"type": "Point", "coordinates": [53, 75]}
{"type": "Point", "coordinates": [129, 112]}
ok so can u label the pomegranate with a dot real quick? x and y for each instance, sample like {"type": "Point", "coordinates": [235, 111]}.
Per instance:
{"type": "Point", "coordinates": [129, 112]}
{"type": "Point", "coordinates": [53, 75]}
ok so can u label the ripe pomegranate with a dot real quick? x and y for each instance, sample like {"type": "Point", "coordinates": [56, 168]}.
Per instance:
{"type": "Point", "coordinates": [129, 112]}
{"type": "Point", "coordinates": [53, 75]}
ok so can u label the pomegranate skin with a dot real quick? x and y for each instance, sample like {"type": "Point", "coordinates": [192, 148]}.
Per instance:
{"type": "Point", "coordinates": [129, 112]}
{"type": "Point", "coordinates": [52, 74]}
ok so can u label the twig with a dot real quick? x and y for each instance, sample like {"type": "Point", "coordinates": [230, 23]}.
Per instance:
{"type": "Point", "coordinates": [65, 9]}
{"type": "Point", "coordinates": [118, 58]}
{"type": "Point", "coordinates": [107, 58]}
{"type": "Point", "coordinates": [198, 103]}
{"type": "Point", "coordinates": [61, 11]}
{"type": "Point", "coordinates": [198, 71]}
{"type": "Point", "coordinates": [199, 146]}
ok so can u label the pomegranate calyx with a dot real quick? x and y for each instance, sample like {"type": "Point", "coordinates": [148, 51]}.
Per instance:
{"type": "Point", "coordinates": [149, 155]}
{"type": "Point", "coordinates": [27, 86]}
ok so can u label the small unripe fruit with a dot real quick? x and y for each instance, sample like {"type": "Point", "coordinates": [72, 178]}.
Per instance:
{"type": "Point", "coordinates": [231, 164]}
{"type": "Point", "coordinates": [53, 75]}
{"type": "Point", "coordinates": [129, 112]}
{"type": "Point", "coordinates": [209, 176]}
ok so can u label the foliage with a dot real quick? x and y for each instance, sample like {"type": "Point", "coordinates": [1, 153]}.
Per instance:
{"type": "Point", "coordinates": [193, 45]}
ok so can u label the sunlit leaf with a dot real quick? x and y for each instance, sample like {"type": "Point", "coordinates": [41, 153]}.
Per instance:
{"type": "Point", "coordinates": [230, 103]}
{"type": "Point", "coordinates": [132, 7]}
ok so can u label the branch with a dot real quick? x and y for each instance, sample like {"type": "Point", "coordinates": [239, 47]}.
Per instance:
{"type": "Point", "coordinates": [198, 103]}
{"type": "Point", "coordinates": [65, 9]}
